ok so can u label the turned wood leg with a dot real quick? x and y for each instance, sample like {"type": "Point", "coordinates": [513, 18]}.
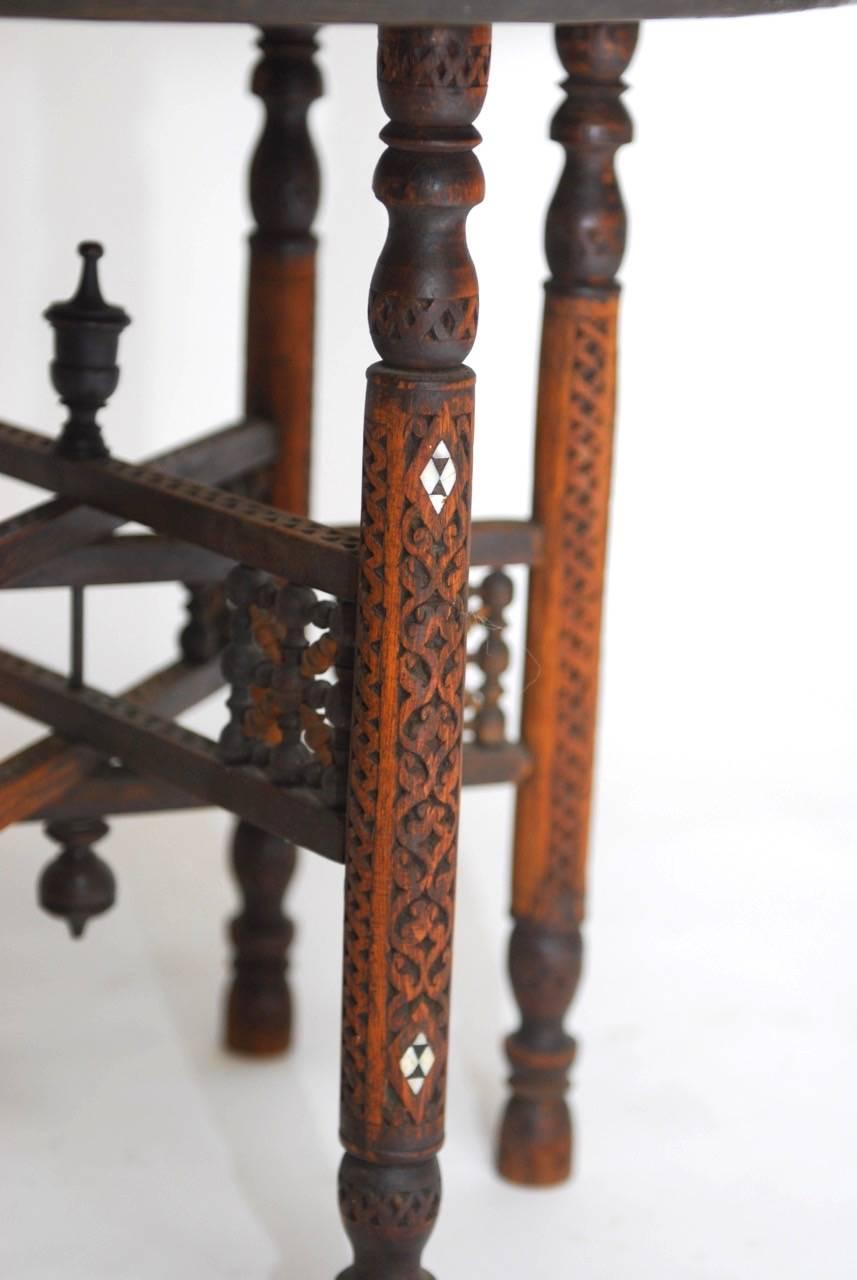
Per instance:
{"type": "Point", "coordinates": [405, 764]}
{"type": "Point", "coordinates": [585, 241]}
{"type": "Point", "coordinates": [284, 192]}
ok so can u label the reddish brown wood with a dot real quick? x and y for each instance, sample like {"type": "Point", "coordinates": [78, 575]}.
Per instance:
{"type": "Point", "coordinates": [585, 240]}
{"type": "Point", "coordinates": [410, 659]}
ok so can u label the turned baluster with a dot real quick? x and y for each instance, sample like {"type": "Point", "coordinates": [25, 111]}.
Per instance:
{"type": "Point", "coordinates": [584, 240]}
{"type": "Point", "coordinates": [284, 195]}
{"type": "Point", "coordinates": [405, 764]}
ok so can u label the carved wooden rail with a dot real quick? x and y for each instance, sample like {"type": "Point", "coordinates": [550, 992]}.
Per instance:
{"type": "Point", "coordinates": [309, 553]}
{"type": "Point", "coordinates": [154, 745]}
{"type": "Point", "coordinates": [61, 526]}
{"type": "Point", "coordinates": [134, 558]}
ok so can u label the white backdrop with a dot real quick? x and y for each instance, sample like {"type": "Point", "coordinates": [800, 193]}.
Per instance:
{"type": "Point", "coordinates": [715, 1099]}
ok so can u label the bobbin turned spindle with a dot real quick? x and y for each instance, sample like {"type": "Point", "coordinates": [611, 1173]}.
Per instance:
{"type": "Point", "coordinates": [84, 369]}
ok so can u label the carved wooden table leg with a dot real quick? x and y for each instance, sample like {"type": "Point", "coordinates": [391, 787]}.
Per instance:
{"type": "Point", "coordinates": [585, 241]}
{"type": "Point", "coordinates": [284, 193]}
{"type": "Point", "coordinates": [405, 768]}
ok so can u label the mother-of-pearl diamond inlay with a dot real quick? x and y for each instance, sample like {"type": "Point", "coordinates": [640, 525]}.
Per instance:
{"type": "Point", "coordinates": [416, 1063]}
{"type": "Point", "coordinates": [438, 476]}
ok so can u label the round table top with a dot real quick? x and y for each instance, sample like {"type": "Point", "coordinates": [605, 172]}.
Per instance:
{"type": "Point", "coordinates": [396, 12]}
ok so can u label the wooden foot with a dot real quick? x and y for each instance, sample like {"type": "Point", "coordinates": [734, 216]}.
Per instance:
{"type": "Point", "coordinates": [536, 1133]}
{"type": "Point", "coordinates": [259, 1004]}
{"type": "Point", "coordinates": [408, 714]}
{"type": "Point", "coordinates": [585, 241]}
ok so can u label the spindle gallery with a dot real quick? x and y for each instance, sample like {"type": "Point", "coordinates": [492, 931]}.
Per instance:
{"type": "Point", "coordinates": [366, 665]}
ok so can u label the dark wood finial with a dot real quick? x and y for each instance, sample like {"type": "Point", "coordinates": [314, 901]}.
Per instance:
{"type": "Point", "coordinates": [78, 884]}
{"type": "Point", "coordinates": [84, 370]}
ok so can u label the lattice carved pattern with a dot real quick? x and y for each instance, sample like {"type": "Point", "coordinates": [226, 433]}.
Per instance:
{"type": "Point", "coordinates": [432, 589]}
{"type": "Point", "coordinates": [442, 62]}
{"type": "Point", "coordinates": [584, 502]}
{"type": "Point", "coordinates": [423, 319]}
{"type": "Point", "coordinates": [287, 715]}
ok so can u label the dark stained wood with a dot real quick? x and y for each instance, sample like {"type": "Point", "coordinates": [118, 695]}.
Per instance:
{"type": "Point", "coordinates": [268, 12]}
{"type": "Point", "coordinates": [113, 790]}
{"type": "Point", "coordinates": [505, 542]}
{"type": "Point", "coordinates": [234, 526]}
{"type": "Point", "coordinates": [287, 716]}
{"type": "Point", "coordinates": [498, 542]}
{"type": "Point", "coordinates": [55, 528]}
{"type": "Point", "coordinates": [85, 370]}
{"type": "Point", "coordinates": [143, 557]}
{"type": "Point", "coordinates": [584, 241]}
{"type": "Point", "coordinates": [51, 769]}
{"type": "Point", "coordinates": [128, 559]}
{"type": "Point", "coordinates": [284, 196]}
{"type": "Point", "coordinates": [206, 631]}
{"type": "Point", "coordinates": [487, 766]}
{"type": "Point", "coordinates": [77, 884]}
{"type": "Point", "coordinates": [153, 745]}
{"type": "Point", "coordinates": [408, 716]}
{"type": "Point", "coordinates": [259, 1002]}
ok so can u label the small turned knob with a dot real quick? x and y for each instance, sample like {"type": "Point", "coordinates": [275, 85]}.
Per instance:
{"type": "Point", "coordinates": [77, 884]}
{"type": "Point", "coordinates": [84, 369]}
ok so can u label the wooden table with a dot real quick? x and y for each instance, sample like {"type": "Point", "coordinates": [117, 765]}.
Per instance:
{"type": "Point", "coordinates": [347, 648]}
